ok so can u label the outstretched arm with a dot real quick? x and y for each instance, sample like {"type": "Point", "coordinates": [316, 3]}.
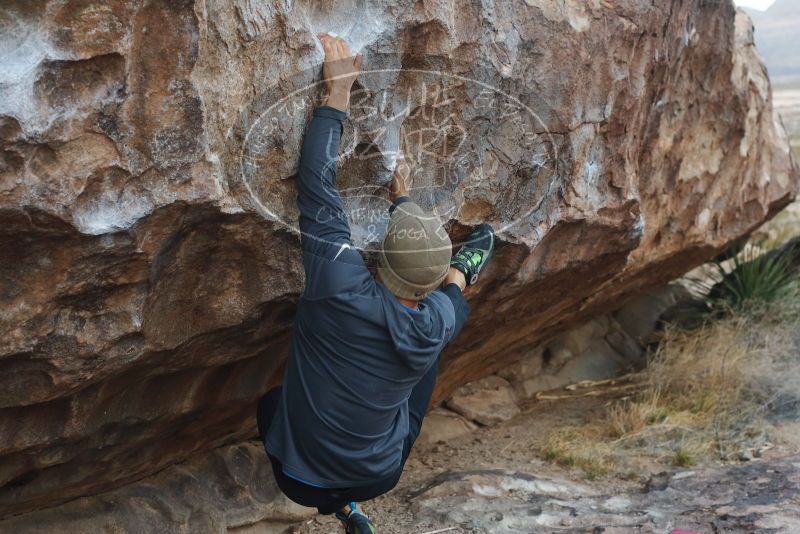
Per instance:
{"type": "Point", "coordinates": [323, 224]}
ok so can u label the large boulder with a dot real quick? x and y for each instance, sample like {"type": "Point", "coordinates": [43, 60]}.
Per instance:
{"type": "Point", "coordinates": [149, 257]}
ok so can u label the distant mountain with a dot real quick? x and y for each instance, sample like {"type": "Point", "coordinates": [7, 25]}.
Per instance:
{"type": "Point", "coordinates": [777, 37]}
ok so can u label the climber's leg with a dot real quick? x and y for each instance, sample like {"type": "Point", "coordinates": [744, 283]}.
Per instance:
{"type": "Point", "coordinates": [420, 396]}
{"type": "Point", "coordinates": [418, 405]}
{"type": "Point", "coordinates": [329, 500]}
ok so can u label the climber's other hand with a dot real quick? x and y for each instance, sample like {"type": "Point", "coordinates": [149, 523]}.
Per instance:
{"type": "Point", "coordinates": [339, 71]}
{"type": "Point", "coordinates": [401, 179]}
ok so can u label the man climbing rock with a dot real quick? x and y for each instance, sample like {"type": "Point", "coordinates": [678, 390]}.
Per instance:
{"type": "Point", "coordinates": [365, 351]}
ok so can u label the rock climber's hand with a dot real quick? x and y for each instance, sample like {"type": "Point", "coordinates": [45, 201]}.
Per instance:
{"type": "Point", "coordinates": [339, 71]}
{"type": "Point", "coordinates": [401, 180]}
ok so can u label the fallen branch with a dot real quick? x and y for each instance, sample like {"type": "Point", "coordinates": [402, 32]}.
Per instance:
{"type": "Point", "coordinates": [593, 393]}
{"type": "Point", "coordinates": [448, 529]}
{"type": "Point", "coordinates": [584, 384]}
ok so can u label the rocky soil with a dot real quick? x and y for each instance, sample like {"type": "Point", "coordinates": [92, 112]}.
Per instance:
{"type": "Point", "coordinates": [495, 481]}
{"type": "Point", "coordinates": [149, 260]}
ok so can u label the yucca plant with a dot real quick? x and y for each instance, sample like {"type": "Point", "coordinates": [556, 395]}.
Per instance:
{"type": "Point", "coordinates": [748, 277]}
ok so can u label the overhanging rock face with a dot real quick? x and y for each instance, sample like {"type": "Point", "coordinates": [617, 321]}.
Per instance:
{"type": "Point", "coordinates": [149, 263]}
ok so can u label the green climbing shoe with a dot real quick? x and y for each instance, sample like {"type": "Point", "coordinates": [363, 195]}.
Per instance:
{"type": "Point", "coordinates": [475, 253]}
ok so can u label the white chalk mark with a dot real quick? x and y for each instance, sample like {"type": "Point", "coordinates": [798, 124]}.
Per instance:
{"type": "Point", "coordinates": [350, 20]}
{"type": "Point", "coordinates": [22, 49]}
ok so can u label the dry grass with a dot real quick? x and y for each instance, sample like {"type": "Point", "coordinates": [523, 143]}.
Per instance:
{"type": "Point", "coordinates": [710, 394]}
{"type": "Point", "coordinates": [626, 417]}
{"type": "Point", "coordinates": [571, 448]}
{"type": "Point", "coordinates": [714, 390]}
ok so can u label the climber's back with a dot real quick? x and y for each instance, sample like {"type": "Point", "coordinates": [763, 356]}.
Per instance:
{"type": "Point", "coordinates": [356, 355]}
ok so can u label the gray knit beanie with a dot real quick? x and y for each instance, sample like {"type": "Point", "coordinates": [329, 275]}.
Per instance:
{"type": "Point", "coordinates": [415, 254]}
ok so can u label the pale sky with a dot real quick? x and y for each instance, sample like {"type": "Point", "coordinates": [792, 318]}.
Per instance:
{"type": "Point", "coordinates": [756, 4]}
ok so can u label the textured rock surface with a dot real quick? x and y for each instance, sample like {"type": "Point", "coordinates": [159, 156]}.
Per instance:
{"type": "Point", "coordinates": [487, 401]}
{"type": "Point", "coordinates": [147, 300]}
{"type": "Point", "coordinates": [229, 489]}
{"type": "Point", "coordinates": [443, 425]}
{"type": "Point", "coordinates": [721, 498]}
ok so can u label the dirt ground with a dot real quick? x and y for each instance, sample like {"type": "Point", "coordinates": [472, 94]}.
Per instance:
{"type": "Point", "coordinates": [518, 446]}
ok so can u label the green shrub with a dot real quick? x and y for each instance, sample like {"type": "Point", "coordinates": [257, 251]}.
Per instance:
{"type": "Point", "coordinates": [749, 278]}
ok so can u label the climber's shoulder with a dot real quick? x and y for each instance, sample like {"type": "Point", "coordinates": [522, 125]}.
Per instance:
{"type": "Point", "coordinates": [335, 270]}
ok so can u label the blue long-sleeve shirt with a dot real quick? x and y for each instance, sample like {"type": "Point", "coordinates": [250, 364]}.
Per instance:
{"type": "Point", "coordinates": [356, 351]}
